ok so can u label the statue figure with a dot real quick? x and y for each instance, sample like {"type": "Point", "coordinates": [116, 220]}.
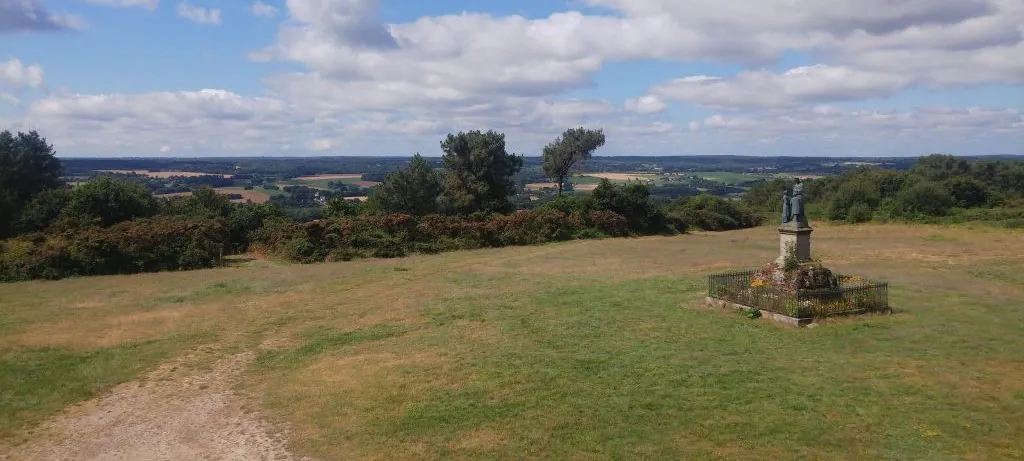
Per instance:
{"type": "Point", "coordinates": [796, 204]}
{"type": "Point", "coordinates": [793, 206]}
{"type": "Point", "coordinates": [787, 212]}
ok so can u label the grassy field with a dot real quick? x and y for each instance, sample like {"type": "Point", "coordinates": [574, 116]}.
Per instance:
{"type": "Point", "coordinates": [728, 178]}
{"type": "Point", "coordinates": [322, 183]}
{"type": "Point", "coordinates": [580, 350]}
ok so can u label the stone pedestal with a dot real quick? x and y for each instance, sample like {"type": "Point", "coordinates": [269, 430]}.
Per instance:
{"type": "Point", "coordinates": [799, 238]}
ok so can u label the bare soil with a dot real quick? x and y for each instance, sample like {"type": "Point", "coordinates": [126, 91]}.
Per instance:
{"type": "Point", "coordinates": [173, 414]}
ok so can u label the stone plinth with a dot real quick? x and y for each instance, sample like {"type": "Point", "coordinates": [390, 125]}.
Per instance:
{"type": "Point", "coordinates": [799, 238]}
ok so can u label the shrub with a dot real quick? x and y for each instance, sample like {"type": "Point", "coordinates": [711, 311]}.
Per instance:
{"type": "Point", "coordinates": [712, 213]}
{"type": "Point", "coordinates": [397, 235]}
{"type": "Point", "coordinates": [108, 201]}
{"type": "Point", "coordinates": [144, 245]}
{"type": "Point", "coordinates": [858, 213]}
{"type": "Point", "coordinates": [924, 199]}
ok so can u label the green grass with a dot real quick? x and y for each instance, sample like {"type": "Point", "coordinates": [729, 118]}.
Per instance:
{"type": "Point", "coordinates": [580, 179]}
{"type": "Point", "coordinates": [726, 177]}
{"type": "Point", "coordinates": [580, 350]}
{"type": "Point", "coordinates": [38, 382]}
{"type": "Point", "coordinates": [322, 340]}
{"type": "Point", "coordinates": [317, 183]}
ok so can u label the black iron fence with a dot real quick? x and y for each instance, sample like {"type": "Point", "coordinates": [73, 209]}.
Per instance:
{"type": "Point", "coordinates": [853, 295]}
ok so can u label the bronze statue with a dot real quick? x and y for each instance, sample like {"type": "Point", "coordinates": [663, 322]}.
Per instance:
{"type": "Point", "coordinates": [787, 213]}
{"type": "Point", "coordinates": [793, 206]}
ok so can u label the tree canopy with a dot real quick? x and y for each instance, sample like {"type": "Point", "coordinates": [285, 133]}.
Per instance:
{"type": "Point", "coordinates": [573, 147]}
{"type": "Point", "coordinates": [481, 173]}
{"type": "Point", "coordinates": [27, 166]}
{"type": "Point", "coordinates": [413, 190]}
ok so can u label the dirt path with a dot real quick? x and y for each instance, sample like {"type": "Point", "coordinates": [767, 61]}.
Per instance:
{"type": "Point", "coordinates": [171, 415]}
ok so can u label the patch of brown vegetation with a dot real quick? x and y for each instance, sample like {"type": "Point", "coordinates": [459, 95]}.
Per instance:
{"type": "Point", "coordinates": [541, 185]}
{"type": "Point", "coordinates": [365, 183]}
{"type": "Point", "coordinates": [102, 332]}
{"type": "Point", "coordinates": [479, 439]}
{"type": "Point", "coordinates": [355, 372]}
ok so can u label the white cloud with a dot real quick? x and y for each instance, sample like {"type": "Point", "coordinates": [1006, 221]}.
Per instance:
{"type": "Point", "coordinates": [796, 87]}
{"type": "Point", "coordinates": [165, 149]}
{"type": "Point", "coordinates": [148, 4]}
{"type": "Point", "coordinates": [18, 75]}
{"type": "Point", "coordinates": [9, 99]}
{"type": "Point", "coordinates": [648, 104]}
{"type": "Point", "coordinates": [199, 14]}
{"type": "Point", "coordinates": [32, 16]}
{"type": "Point", "coordinates": [366, 87]}
{"type": "Point", "coordinates": [318, 145]}
{"type": "Point", "coordinates": [263, 10]}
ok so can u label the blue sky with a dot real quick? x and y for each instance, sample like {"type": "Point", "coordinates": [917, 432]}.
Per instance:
{"type": "Point", "coordinates": [367, 77]}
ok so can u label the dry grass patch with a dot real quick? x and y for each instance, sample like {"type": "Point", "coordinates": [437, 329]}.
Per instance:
{"type": "Point", "coordinates": [103, 332]}
{"type": "Point", "coordinates": [541, 185]}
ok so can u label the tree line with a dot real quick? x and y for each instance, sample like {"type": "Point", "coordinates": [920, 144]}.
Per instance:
{"type": "Point", "coordinates": [937, 188]}
{"type": "Point", "coordinates": [111, 225]}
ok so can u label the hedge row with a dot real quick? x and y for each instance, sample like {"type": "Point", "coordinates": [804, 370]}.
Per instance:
{"type": "Point", "coordinates": [155, 244]}
{"type": "Point", "coordinates": [396, 235]}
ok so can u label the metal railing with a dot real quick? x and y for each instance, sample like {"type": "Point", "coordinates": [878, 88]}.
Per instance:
{"type": "Point", "coordinates": [853, 295]}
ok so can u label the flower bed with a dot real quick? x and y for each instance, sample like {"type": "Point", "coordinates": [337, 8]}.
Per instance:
{"type": "Point", "coordinates": [803, 293]}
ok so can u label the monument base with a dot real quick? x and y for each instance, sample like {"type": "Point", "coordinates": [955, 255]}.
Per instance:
{"type": "Point", "coordinates": [797, 238]}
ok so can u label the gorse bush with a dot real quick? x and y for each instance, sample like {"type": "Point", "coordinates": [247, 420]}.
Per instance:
{"type": "Point", "coordinates": [711, 213]}
{"type": "Point", "coordinates": [143, 245]}
{"type": "Point", "coordinates": [395, 235]}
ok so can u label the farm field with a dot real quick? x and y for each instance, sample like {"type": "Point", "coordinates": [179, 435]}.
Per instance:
{"type": "Point", "coordinates": [580, 350]}
{"type": "Point", "coordinates": [259, 195]}
{"type": "Point", "coordinates": [164, 174]}
{"type": "Point", "coordinates": [323, 181]}
{"type": "Point", "coordinates": [597, 177]}
{"type": "Point", "coordinates": [331, 177]}
{"type": "Point", "coordinates": [728, 178]}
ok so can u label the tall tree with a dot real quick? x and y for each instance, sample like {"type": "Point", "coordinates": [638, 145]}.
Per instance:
{"type": "Point", "coordinates": [573, 147]}
{"type": "Point", "coordinates": [480, 173]}
{"type": "Point", "coordinates": [108, 201]}
{"type": "Point", "coordinates": [27, 166]}
{"type": "Point", "coordinates": [413, 190]}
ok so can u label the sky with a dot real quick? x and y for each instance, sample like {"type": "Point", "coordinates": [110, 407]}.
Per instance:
{"type": "Point", "coordinates": [203, 78]}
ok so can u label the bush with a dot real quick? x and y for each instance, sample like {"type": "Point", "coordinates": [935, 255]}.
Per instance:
{"type": "Point", "coordinates": [859, 194]}
{"type": "Point", "coordinates": [712, 213]}
{"type": "Point", "coordinates": [643, 215]}
{"type": "Point", "coordinates": [109, 201]}
{"type": "Point", "coordinates": [144, 245]}
{"type": "Point", "coordinates": [348, 237]}
{"type": "Point", "coordinates": [923, 199]}
{"type": "Point", "coordinates": [858, 213]}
